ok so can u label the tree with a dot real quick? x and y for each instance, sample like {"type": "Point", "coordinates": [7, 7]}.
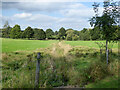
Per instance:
{"type": "Point", "coordinates": [56, 32]}
{"type": "Point", "coordinates": [15, 32]}
{"type": "Point", "coordinates": [71, 35]}
{"type": "Point", "coordinates": [49, 33]}
{"type": "Point", "coordinates": [81, 35]}
{"type": "Point", "coordinates": [118, 33]}
{"type": "Point", "coordinates": [29, 32]}
{"type": "Point", "coordinates": [84, 34]}
{"type": "Point", "coordinates": [76, 32]}
{"type": "Point", "coordinates": [106, 21]}
{"type": "Point", "coordinates": [6, 30]}
{"type": "Point", "coordinates": [39, 34]}
{"type": "Point", "coordinates": [75, 37]}
{"type": "Point", "coordinates": [95, 34]}
{"type": "Point", "coordinates": [62, 33]}
{"type": "Point", "coordinates": [0, 32]}
{"type": "Point", "coordinates": [22, 35]}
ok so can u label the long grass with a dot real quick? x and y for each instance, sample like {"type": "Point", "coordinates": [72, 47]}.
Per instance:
{"type": "Point", "coordinates": [109, 82]}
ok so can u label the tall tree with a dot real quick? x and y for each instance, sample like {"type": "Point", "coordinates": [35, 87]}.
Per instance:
{"type": "Point", "coordinates": [69, 34]}
{"type": "Point", "coordinates": [84, 34]}
{"type": "Point", "coordinates": [56, 32]}
{"type": "Point", "coordinates": [6, 30]}
{"type": "Point", "coordinates": [106, 21]}
{"type": "Point", "coordinates": [15, 32]}
{"type": "Point", "coordinates": [95, 34]}
{"type": "Point", "coordinates": [28, 32]}
{"type": "Point", "coordinates": [72, 35]}
{"type": "Point", "coordinates": [49, 33]}
{"type": "Point", "coordinates": [22, 34]}
{"type": "Point", "coordinates": [62, 33]}
{"type": "Point", "coordinates": [39, 34]}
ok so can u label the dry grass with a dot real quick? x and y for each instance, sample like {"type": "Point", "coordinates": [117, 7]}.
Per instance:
{"type": "Point", "coordinates": [65, 47]}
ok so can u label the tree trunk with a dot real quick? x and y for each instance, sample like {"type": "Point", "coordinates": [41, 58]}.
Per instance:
{"type": "Point", "coordinates": [107, 55]}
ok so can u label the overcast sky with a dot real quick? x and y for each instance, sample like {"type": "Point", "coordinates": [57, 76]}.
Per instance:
{"type": "Point", "coordinates": [53, 14]}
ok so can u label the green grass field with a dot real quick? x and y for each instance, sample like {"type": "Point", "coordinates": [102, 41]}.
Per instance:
{"type": "Point", "coordinates": [10, 45]}
{"type": "Point", "coordinates": [90, 44]}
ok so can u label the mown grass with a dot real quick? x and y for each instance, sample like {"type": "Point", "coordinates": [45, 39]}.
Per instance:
{"type": "Point", "coordinates": [90, 44]}
{"type": "Point", "coordinates": [10, 45]}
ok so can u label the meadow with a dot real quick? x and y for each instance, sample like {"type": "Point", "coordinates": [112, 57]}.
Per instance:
{"type": "Point", "coordinates": [91, 44]}
{"type": "Point", "coordinates": [10, 45]}
{"type": "Point", "coordinates": [63, 64]}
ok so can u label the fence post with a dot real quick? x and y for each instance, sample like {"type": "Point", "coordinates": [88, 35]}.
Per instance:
{"type": "Point", "coordinates": [37, 71]}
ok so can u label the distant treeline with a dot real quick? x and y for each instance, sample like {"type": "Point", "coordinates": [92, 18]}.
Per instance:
{"type": "Point", "coordinates": [62, 34]}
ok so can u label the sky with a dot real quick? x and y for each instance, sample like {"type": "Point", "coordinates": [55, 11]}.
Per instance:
{"type": "Point", "coordinates": [46, 14]}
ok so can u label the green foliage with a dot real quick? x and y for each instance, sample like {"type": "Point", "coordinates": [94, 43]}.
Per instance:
{"type": "Point", "coordinates": [28, 32]}
{"type": "Point", "coordinates": [117, 33]}
{"type": "Point", "coordinates": [0, 33]}
{"type": "Point", "coordinates": [69, 34]}
{"type": "Point", "coordinates": [69, 37]}
{"type": "Point", "coordinates": [15, 32]}
{"type": "Point", "coordinates": [56, 32]}
{"type": "Point", "coordinates": [39, 34]}
{"type": "Point", "coordinates": [6, 30]}
{"type": "Point", "coordinates": [76, 32]}
{"type": "Point", "coordinates": [72, 35]}
{"type": "Point", "coordinates": [107, 21]}
{"type": "Point", "coordinates": [49, 33]}
{"type": "Point", "coordinates": [84, 34]}
{"type": "Point", "coordinates": [62, 33]}
{"type": "Point", "coordinates": [96, 33]}
{"type": "Point", "coordinates": [75, 37]}
{"type": "Point", "coordinates": [22, 35]}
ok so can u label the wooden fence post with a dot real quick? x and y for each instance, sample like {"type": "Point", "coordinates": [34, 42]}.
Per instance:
{"type": "Point", "coordinates": [37, 71]}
